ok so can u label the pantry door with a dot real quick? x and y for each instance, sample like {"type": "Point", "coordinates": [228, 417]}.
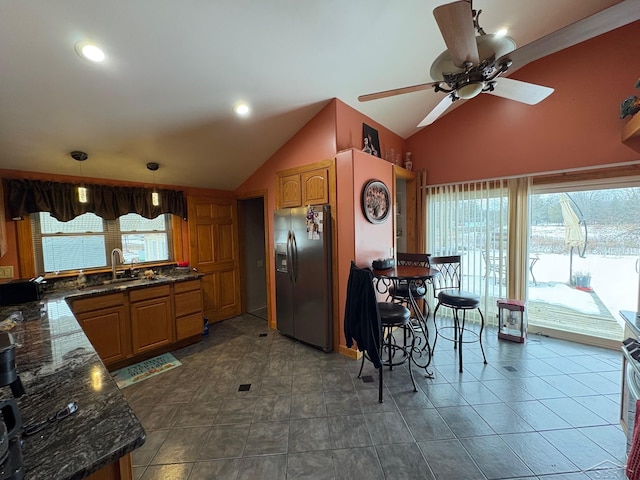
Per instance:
{"type": "Point", "coordinates": [214, 253]}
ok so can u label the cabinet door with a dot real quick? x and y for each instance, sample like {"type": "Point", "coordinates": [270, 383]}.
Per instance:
{"type": "Point", "coordinates": [188, 302]}
{"type": "Point", "coordinates": [290, 191]}
{"type": "Point", "coordinates": [315, 187]}
{"type": "Point", "coordinates": [108, 332]}
{"type": "Point", "coordinates": [152, 324]}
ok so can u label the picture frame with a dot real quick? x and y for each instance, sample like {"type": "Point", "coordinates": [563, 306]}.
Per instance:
{"type": "Point", "coordinates": [376, 201]}
{"type": "Point", "coordinates": [373, 142]}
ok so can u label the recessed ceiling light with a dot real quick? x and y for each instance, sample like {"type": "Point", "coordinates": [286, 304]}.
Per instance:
{"type": "Point", "coordinates": [89, 51]}
{"type": "Point", "coordinates": [502, 32]}
{"type": "Point", "coordinates": [242, 109]}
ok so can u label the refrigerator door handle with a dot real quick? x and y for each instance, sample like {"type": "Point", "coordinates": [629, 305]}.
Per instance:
{"type": "Point", "coordinates": [294, 257]}
{"type": "Point", "coordinates": [289, 261]}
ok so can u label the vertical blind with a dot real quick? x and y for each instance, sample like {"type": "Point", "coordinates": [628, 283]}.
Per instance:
{"type": "Point", "coordinates": [471, 220]}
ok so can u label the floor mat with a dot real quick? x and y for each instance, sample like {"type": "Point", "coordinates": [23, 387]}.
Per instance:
{"type": "Point", "coordinates": [141, 371]}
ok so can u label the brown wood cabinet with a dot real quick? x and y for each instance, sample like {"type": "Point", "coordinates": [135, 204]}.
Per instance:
{"type": "Point", "coordinates": [105, 321]}
{"type": "Point", "coordinates": [188, 308]}
{"type": "Point", "coordinates": [290, 190]}
{"type": "Point", "coordinates": [315, 187]}
{"type": "Point", "coordinates": [151, 317]}
{"type": "Point", "coordinates": [308, 185]}
{"type": "Point", "coordinates": [214, 253]}
{"type": "Point", "coordinates": [125, 325]}
{"type": "Point", "coordinates": [119, 470]}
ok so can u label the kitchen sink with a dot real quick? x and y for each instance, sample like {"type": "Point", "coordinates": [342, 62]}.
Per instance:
{"type": "Point", "coordinates": [132, 280]}
{"type": "Point", "coordinates": [122, 280]}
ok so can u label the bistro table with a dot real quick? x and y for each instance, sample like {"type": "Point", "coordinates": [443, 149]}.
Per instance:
{"type": "Point", "coordinates": [415, 277]}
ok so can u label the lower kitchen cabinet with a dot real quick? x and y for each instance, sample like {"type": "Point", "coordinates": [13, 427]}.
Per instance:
{"type": "Point", "coordinates": [105, 321]}
{"type": "Point", "coordinates": [188, 308]}
{"type": "Point", "coordinates": [134, 324]}
{"type": "Point", "coordinates": [151, 319]}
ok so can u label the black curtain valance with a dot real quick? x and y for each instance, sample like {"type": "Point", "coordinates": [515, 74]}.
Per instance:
{"type": "Point", "coordinates": [108, 202]}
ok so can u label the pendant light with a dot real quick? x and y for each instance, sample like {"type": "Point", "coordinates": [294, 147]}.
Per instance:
{"type": "Point", "coordinates": [155, 196]}
{"type": "Point", "coordinates": [82, 190]}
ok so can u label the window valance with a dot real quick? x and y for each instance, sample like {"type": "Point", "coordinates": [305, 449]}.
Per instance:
{"type": "Point", "coordinates": [108, 202]}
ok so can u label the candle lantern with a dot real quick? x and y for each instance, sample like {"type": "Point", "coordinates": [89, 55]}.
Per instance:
{"type": "Point", "coordinates": [512, 324]}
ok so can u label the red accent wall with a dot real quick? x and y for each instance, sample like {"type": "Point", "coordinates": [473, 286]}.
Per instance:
{"type": "Point", "coordinates": [358, 239]}
{"type": "Point", "coordinates": [349, 131]}
{"type": "Point", "coordinates": [577, 126]}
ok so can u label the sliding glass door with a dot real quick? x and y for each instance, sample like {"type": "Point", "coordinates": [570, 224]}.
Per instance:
{"type": "Point", "coordinates": [586, 242]}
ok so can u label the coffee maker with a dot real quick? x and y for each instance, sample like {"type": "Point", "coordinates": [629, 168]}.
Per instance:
{"type": "Point", "coordinates": [11, 464]}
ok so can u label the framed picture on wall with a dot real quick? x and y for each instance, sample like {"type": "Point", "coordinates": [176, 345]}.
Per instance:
{"type": "Point", "coordinates": [376, 201]}
{"type": "Point", "coordinates": [370, 140]}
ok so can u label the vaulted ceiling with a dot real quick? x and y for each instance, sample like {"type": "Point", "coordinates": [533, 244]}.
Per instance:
{"type": "Point", "coordinates": [174, 70]}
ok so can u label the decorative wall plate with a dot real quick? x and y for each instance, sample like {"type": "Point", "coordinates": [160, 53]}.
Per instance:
{"type": "Point", "coordinates": [376, 201]}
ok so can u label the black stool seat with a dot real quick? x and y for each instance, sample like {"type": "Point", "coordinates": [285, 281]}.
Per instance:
{"type": "Point", "coordinates": [458, 298]}
{"type": "Point", "coordinates": [393, 314]}
{"type": "Point", "coordinates": [401, 290]}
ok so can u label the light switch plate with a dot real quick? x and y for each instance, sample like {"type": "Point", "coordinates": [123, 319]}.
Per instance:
{"type": "Point", "coordinates": [6, 272]}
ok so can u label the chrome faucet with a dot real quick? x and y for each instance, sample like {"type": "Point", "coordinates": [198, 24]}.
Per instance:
{"type": "Point", "coordinates": [113, 261]}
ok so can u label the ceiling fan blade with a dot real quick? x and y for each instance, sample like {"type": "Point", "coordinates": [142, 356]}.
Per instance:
{"type": "Point", "coordinates": [528, 93]}
{"type": "Point", "coordinates": [455, 21]}
{"type": "Point", "coordinates": [438, 110]}
{"type": "Point", "coordinates": [396, 91]}
{"type": "Point", "coordinates": [618, 15]}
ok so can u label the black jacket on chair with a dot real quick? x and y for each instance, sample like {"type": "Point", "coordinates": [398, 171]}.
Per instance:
{"type": "Point", "coordinates": [361, 316]}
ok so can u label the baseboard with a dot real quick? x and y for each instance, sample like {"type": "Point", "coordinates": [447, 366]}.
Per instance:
{"type": "Point", "coordinates": [352, 353]}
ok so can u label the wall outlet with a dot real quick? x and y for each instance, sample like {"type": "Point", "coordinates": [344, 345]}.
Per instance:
{"type": "Point", "coordinates": [259, 263]}
{"type": "Point", "coordinates": [6, 272]}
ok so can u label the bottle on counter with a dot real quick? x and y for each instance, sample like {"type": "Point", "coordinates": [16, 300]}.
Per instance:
{"type": "Point", "coordinates": [82, 279]}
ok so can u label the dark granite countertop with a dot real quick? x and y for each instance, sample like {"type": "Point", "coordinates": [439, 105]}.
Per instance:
{"type": "Point", "coordinates": [57, 365]}
{"type": "Point", "coordinates": [632, 320]}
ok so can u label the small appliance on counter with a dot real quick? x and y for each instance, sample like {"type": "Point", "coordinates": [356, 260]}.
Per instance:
{"type": "Point", "coordinates": [19, 291]}
{"type": "Point", "coordinates": [11, 464]}
{"type": "Point", "coordinates": [383, 264]}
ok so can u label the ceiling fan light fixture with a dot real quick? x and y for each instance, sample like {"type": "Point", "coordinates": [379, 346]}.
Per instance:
{"type": "Point", "coordinates": [494, 45]}
{"type": "Point", "coordinates": [470, 90]}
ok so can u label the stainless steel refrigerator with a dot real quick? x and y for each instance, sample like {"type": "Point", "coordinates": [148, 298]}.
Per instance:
{"type": "Point", "coordinates": [303, 274]}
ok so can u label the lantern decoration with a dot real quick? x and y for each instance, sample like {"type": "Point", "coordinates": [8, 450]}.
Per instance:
{"type": "Point", "coordinates": [512, 324]}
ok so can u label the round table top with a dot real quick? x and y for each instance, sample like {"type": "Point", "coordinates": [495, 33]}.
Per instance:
{"type": "Point", "coordinates": [407, 272]}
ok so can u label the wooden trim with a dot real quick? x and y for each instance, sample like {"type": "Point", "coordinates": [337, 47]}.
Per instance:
{"type": "Point", "coordinates": [26, 262]}
{"type": "Point", "coordinates": [333, 201]}
{"type": "Point", "coordinates": [264, 194]}
{"type": "Point", "coordinates": [400, 173]}
{"type": "Point", "coordinates": [352, 353]}
{"type": "Point", "coordinates": [306, 168]}
{"type": "Point", "coordinates": [588, 175]}
{"type": "Point", "coordinates": [176, 238]}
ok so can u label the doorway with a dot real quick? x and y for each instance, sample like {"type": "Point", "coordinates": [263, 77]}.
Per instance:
{"type": "Point", "coordinates": [252, 234]}
{"type": "Point", "coordinates": [586, 241]}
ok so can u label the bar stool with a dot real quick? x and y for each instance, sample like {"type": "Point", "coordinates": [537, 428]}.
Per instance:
{"type": "Point", "coordinates": [399, 291]}
{"type": "Point", "coordinates": [446, 288]}
{"type": "Point", "coordinates": [371, 323]}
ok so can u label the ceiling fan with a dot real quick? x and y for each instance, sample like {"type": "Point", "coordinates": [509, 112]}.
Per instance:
{"type": "Point", "coordinates": [472, 64]}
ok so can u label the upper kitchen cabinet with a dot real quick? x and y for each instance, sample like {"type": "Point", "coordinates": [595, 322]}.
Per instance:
{"type": "Point", "coordinates": [307, 185]}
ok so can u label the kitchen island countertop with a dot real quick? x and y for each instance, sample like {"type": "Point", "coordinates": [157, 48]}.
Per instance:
{"type": "Point", "coordinates": [57, 365]}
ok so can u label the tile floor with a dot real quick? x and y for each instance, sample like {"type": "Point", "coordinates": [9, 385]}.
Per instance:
{"type": "Point", "coordinates": [546, 409]}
